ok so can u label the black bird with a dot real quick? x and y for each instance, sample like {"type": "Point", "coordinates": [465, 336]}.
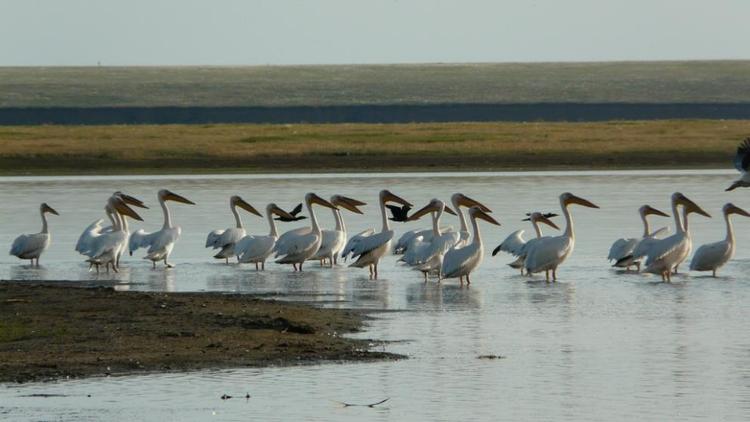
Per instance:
{"type": "Point", "coordinates": [400, 214]}
{"type": "Point", "coordinates": [294, 213]}
{"type": "Point", "coordinates": [546, 215]}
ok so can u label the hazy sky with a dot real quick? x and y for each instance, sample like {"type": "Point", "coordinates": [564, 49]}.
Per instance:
{"type": "Point", "coordinates": [229, 32]}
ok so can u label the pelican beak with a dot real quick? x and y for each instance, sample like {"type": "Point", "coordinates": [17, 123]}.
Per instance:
{"type": "Point", "coordinates": [547, 221]}
{"type": "Point", "coordinates": [450, 211]}
{"type": "Point", "coordinates": [247, 207]}
{"type": "Point", "coordinates": [467, 202]}
{"type": "Point", "coordinates": [171, 196]}
{"type": "Point", "coordinates": [315, 199]}
{"type": "Point", "coordinates": [130, 200]}
{"type": "Point", "coordinates": [484, 216]}
{"type": "Point", "coordinates": [122, 208]}
{"type": "Point", "coordinates": [348, 203]}
{"type": "Point", "coordinates": [281, 213]}
{"type": "Point", "coordinates": [390, 197]}
{"type": "Point", "coordinates": [691, 206]}
{"type": "Point", "coordinates": [47, 208]}
{"type": "Point", "coordinates": [423, 211]}
{"type": "Point", "coordinates": [733, 209]}
{"type": "Point", "coordinates": [653, 211]}
{"type": "Point", "coordinates": [572, 199]}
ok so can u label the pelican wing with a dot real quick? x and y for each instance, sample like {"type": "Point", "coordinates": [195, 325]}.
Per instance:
{"type": "Point", "coordinates": [29, 245]}
{"type": "Point", "coordinates": [351, 244]}
{"type": "Point", "coordinates": [372, 242]}
{"type": "Point", "coordinates": [141, 239]}
{"type": "Point", "coordinates": [742, 158]}
{"type": "Point", "coordinates": [644, 247]}
{"type": "Point", "coordinates": [663, 247]}
{"type": "Point", "coordinates": [459, 259]}
{"type": "Point", "coordinates": [302, 245]}
{"type": "Point", "coordinates": [163, 242]}
{"type": "Point", "coordinates": [546, 252]}
{"type": "Point", "coordinates": [710, 256]}
{"type": "Point", "coordinates": [514, 244]}
{"type": "Point", "coordinates": [286, 239]}
{"type": "Point", "coordinates": [251, 248]}
{"type": "Point", "coordinates": [621, 248]}
{"type": "Point", "coordinates": [107, 243]}
{"type": "Point", "coordinates": [84, 241]}
{"type": "Point", "coordinates": [213, 239]}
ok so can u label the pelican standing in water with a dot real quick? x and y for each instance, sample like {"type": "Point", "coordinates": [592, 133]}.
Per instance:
{"type": "Point", "coordinates": [427, 256]}
{"type": "Point", "coordinates": [549, 252]}
{"type": "Point", "coordinates": [712, 256]}
{"type": "Point", "coordinates": [106, 247]}
{"type": "Point", "coordinates": [368, 249]}
{"type": "Point", "coordinates": [256, 249]}
{"type": "Point", "coordinates": [160, 243]}
{"type": "Point", "coordinates": [301, 247]}
{"type": "Point", "coordinates": [461, 261]}
{"type": "Point", "coordinates": [31, 246]}
{"type": "Point", "coordinates": [666, 254]}
{"type": "Point", "coordinates": [517, 246]}
{"type": "Point", "coordinates": [622, 251]}
{"type": "Point", "coordinates": [333, 241]}
{"type": "Point", "coordinates": [226, 239]}
{"type": "Point", "coordinates": [742, 164]}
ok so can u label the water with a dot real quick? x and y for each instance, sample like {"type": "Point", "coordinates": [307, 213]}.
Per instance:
{"type": "Point", "coordinates": [598, 345]}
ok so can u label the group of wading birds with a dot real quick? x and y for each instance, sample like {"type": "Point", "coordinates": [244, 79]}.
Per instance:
{"type": "Point", "coordinates": [437, 251]}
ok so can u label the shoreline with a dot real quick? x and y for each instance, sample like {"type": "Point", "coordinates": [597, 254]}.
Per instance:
{"type": "Point", "coordinates": [50, 332]}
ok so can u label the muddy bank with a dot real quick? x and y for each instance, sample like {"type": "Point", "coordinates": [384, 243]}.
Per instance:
{"type": "Point", "coordinates": [51, 332]}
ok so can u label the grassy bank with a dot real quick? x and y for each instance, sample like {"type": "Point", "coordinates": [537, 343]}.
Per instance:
{"type": "Point", "coordinates": [362, 147]}
{"type": "Point", "coordinates": [51, 332]}
{"type": "Point", "coordinates": [651, 82]}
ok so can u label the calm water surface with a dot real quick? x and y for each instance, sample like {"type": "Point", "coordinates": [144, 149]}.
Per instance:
{"type": "Point", "coordinates": [598, 345]}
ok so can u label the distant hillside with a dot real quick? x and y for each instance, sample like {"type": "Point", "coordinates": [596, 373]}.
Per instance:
{"type": "Point", "coordinates": [285, 86]}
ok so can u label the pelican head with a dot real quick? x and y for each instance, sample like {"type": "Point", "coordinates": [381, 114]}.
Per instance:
{"type": "Point", "coordinates": [275, 209]}
{"type": "Point", "coordinates": [434, 205]}
{"type": "Point", "coordinates": [130, 200]}
{"type": "Point", "coordinates": [537, 217]}
{"type": "Point", "coordinates": [119, 205]}
{"type": "Point", "coordinates": [236, 201]}
{"type": "Point", "coordinates": [649, 210]}
{"type": "Point", "coordinates": [44, 208]}
{"type": "Point", "coordinates": [347, 203]}
{"type": "Point", "coordinates": [476, 212]}
{"type": "Point", "coordinates": [461, 200]}
{"type": "Point", "coordinates": [690, 206]}
{"type": "Point", "coordinates": [568, 198]}
{"type": "Point", "coordinates": [166, 195]}
{"type": "Point", "coordinates": [730, 208]}
{"type": "Point", "coordinates": [312, 198]}
{"type": "Point", "coordinates": [388, 196]}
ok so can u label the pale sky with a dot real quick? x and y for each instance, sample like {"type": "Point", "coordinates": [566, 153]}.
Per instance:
{"type": "Point", "coordinates": [253, 32]}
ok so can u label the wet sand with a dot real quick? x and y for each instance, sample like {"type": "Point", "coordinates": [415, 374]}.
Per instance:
{"type": "Point", "coordinates": [57, 331]}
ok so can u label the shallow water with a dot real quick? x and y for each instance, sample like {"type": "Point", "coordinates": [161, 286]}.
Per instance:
{"type": "Point", "coordinates": [597, 345]}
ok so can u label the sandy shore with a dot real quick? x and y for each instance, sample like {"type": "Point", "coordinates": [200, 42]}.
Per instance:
{"type": "Point", "coordinates": [51, 332]}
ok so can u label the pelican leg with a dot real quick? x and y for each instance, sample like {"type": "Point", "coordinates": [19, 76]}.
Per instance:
{"type": "Point", "coordinates": [154, 262]}
{"type": "Point", "coordinates": [468, 280]}
{"type": "Point", "coordinates": [669, 276]}
{"type": "Point", "coordinates": [424, 273]}
{"type": "Point", "coordinates": [369, 267]}
{"type": "Point", "coordinates": [226, 261]}
{"type": "Point", "coordinates": [330, 261]}
{"type": "Point", "coordinates": [714, 273]}
{"type": "Point", "coordinates": [638, 266]}
{"type": "Point", "coordinates": [546, 275]}
{"type": "Point", "coordinates": [300, 266]}
{"type": "Point", "coordinates": [335, 259]}
{"type": "Point", "coordinates": [675, 268]}
{"type": "Point", "coordinates": [167, 264]}
{"type": "Point", "coordinates": [263, 266]}
{"type": "Point", "coordinates": [376, 271]}
{"type": "Point", "coordinates": [321, 262]}
{"type": "Point", "coordinates": [114, 268]}
{"type": "Point", "coordinates": [256, 266]}
{"type": "Point", "coordinates": [554, 275]}
{"type": "Point", "coordinates": [461, 280]}
{"type": "Point", "coordinates": [295, 266]}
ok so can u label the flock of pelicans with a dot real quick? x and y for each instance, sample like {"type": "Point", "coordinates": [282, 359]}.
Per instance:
{"type": "Point", "coordinates": [437, 251]}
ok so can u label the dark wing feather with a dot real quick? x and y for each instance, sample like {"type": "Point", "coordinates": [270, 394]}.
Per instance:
{"type": "Point", "coordinates": [742, 159]}
{"type": "Point", "coordinates": [296, 210]}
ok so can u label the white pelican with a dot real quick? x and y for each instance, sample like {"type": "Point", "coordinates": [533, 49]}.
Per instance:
{"type": "Point", "coordinates": [31, 246]}
{"type": "Point", "coordinates": [622, 251]}
{"type": "Point", "coordinates": [742, 164]}
{"type": "Point", "coordinates": [460, 262]}
{"type": "Point", "coordinates": [107, 246]}
{"type": "Point", "coordinates": [712, 256]}
{"type": "Point", "coordinates": [549, 252]}
{"type": "Point", "coordinates": [666, 254]}
{"type": "Point", "coordinates": [226, 239]}
{"type": "Point", "coordinates": [334, 240]}
{"type": "Point", "coordinates": [159, 243]}
{"type": "Point", "coordinates": [427, 256]}
{"type": "Point", "coordinates": [86, 240]}
{"type": "Point", "coordinates": [459, 200]}
{"type": "Point", "coordinates": [301, 247]}
{"type": "Point", "coordinates": [369, 249]}
{"type": "Point", "coordinates": [256, 249]}
{"type": "Point", "coordinates": [517, 246]}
